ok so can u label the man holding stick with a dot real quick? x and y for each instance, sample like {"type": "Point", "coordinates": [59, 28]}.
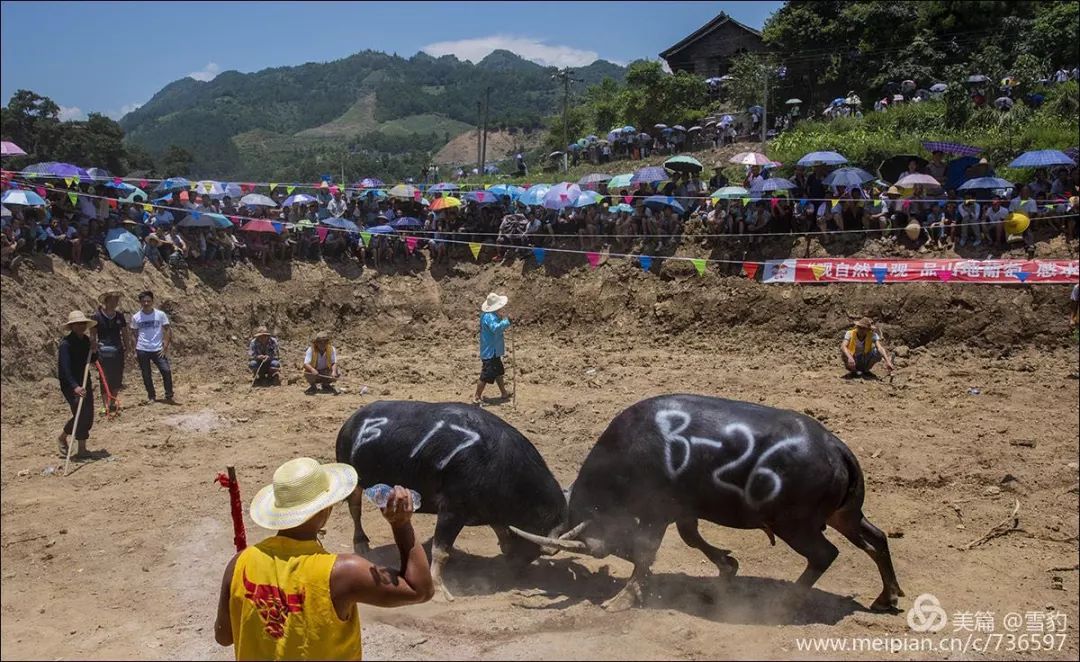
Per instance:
{"type": "Point", "coordinates": [287, 598]}
{"type": "Point", "coordinates": [492, 347]}
{"type": "Point", "coordinates": [73, 370]}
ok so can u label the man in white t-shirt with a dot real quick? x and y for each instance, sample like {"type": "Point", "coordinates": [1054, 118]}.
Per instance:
{"type": "Point", "coordinates": [994, 220]}
{"type": "Point", "coordinates": [152, 339]}
{"type": "Point", "coordinates": [861, 348]}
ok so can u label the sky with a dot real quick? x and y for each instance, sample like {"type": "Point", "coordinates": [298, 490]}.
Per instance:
{"type": "Point", "coordinates": [111, 57]}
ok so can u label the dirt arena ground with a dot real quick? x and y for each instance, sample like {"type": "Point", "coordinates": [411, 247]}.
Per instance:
{"type": "Point", "coordinates": [123, 558]}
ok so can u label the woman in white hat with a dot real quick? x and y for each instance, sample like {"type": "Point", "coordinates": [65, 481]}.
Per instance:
{"type": "Point", "coordinates": [74, 353]}
{"type": "Point", "coordinates": [287, 598]}
{"type": "Point", "coordinates": [492, 348]}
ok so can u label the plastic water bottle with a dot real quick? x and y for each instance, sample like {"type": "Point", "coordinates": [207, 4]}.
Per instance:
{"type": "Point", "coordinates": [380, 494]}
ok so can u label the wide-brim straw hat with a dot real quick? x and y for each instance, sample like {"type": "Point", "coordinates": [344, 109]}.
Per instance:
{"type": "Point", "coordinates": [109, 293]}
{"type": "Point", "coordinates": [493, 303]}
{"type": "Point", "coordinates": [321, 335]}
{"type": "Point", "coordinates": [77, 316]}
{"type": "Point", "coordinates": [864, 323]}
{"type": "Point", "coordinates": [301, 488]}
{"type": "Point", "coordinates": [261, 331]}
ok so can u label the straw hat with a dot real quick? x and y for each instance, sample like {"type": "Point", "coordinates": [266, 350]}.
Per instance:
{"type": "Point", "coordinates": [892, 190]}
{"type": "Point", "coordinates": [493, 303]}
{"type": "Point", "coordinates": [261, 331]}
{"type": "Point", "coordinates": [77, 316]}
{"type": "Point", "coordinates": [301, 488]}
{"type": "Point", "coordinates": [109, 293]}
{"type": "Point", "coordinates": [864, 323]}
{"type": "Point", "coordinates": [321, 335]}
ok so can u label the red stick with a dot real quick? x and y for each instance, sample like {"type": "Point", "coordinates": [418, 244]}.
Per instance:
{"type": "Point", "coordinates": [237, 508]}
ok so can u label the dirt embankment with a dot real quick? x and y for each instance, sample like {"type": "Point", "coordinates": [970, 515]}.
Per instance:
{"type": "Point", "coordinates": [214, 311]}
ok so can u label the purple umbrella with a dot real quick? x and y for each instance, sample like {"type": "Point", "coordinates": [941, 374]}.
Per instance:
{"type": "Point", "coordinates": [561, 196]}
{"type": "Point", "coordinates": [649, 175]}
{"type": "Point", "coordinates": [370, 182]}
{"type": "Point", "coordinates": [1073, 153]}
{"type": "Point", "coordinates": [55, 169]}
{"type": "Point", "coordinates": [10, 149]}
{"type": "Point", "coordinates": [952, 148]}
{"type": "Point", "coordinates": [482, 197]}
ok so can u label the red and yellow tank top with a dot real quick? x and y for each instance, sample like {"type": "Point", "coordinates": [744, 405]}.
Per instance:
{"type": "Point", "coordinates": [280, 604]}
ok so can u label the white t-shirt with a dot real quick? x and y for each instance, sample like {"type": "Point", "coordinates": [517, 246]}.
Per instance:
{"type": "Point", "coordinates": [996, 215]}
{"type": "Point", "coordinates": [859, 345]}
{"type": "Point", "coordinates": [150, 330]}
{"type": "Point", "coordinates": [321, 365]}
{"type": "Point", "coordinates": [1027, 207]}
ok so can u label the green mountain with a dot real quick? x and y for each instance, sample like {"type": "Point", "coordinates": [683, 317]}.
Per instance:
{"type": "Point", "coordinates": [368, 103]}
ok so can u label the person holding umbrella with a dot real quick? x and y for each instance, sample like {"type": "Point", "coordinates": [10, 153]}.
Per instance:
{"type": "Point", "coordinates": [492, 346]}
{"type": "Point", "coordinates": [73, 362]}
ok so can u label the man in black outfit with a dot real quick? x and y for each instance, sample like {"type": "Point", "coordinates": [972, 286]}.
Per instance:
{"type": "Point", "coordinates": [74, 354]}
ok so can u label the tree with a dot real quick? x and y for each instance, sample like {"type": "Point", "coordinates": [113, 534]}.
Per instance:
{"type": "Point", "coordinates": [749, 73]}
{"type": "Point", "coordinates": [31, 121]}
{"type": "Point", "coordinates": [175, 162]}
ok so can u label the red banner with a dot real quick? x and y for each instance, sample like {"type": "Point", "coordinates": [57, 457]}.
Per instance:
{"type": "Point", "coordinates": [854, 270]}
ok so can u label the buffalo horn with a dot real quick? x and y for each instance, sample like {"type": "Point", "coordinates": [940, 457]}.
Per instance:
{"type": "Point", "coordinates": [572, 533]}
{"type": "Point", "coordinates": [544, 541]}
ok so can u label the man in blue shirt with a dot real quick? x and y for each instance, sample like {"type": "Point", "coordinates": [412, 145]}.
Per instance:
{"type": "Point", "coordinates": [492, 348]}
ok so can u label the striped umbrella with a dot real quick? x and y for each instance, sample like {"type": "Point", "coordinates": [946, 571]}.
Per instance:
{"type": "Point", "coordinates": [561, 196]}
{"type": "Point", "coordinates": [1042, 158]}
{"type": "Point", "coordinates": [445, 202]}
{"type": "Point", "coordinates": [22, 198]}
{"type": "Point", "coordinates": [648, 175]}
{"type": "Point", "coordinates": [985, 184]}
{"type": "Point", "coordinates": [952, 148]}
{"type": "Point", "coordinates": [405, 192]}
{"type": "Point", "coordinates": [847, 177]}
{"type": "Point", "coordinates": [55, 169]}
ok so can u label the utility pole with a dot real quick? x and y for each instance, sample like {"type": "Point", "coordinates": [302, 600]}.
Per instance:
{"type": "Point", "coordinates": [479, 141]}
{"type": "Point", "coordinates": [565, 77]}
{"type": "Point", "coordinates": [765, 111]}
{"type": "Point", "coordinates": [487, 113]}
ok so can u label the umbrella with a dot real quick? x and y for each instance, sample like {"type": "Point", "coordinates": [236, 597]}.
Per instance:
{"type": "Point", "coordinates": [693, 129]}
{"type": "Point", "coordinates": [917, 179]}
{"type": "Point", "coordinates": [99, 174]}
{"type": "Point", "coordinates": [591, 138]}
{"type": "Point", "coordinates": [975, 79]}
{"type": "Point", "coordinates": [131, 193]}
{"type": "Point", "coordinates": [683, 164]}
{"type": "Point", "coordinates": [376, 193]}
{"type": "Point", "coordinates": [259, 225]}
{"type": "Point", "coordinates": [621, 207]}
{"type": "Point", "coordinates": [848, 177]}
{"type": "Point", "coordinates": [219, 220]}
{"type": "Point", "coordinates": [482, 197]}
{"type": "Point", "coordinates": [659, 201]}
{"type": "Point", "coordinates": [907, 85]}
{"type": "Point", "coordinates": [444, 186]}
{"type": "Point", "coordinates": [5, 212]}
{"type": "Point", "coordinates": [342, 224]}
{"type": "Point", "coordinates": [793, 102]}
{"type": "Point", "coordinates": [406, 223]}
{"type": "Point", "coordinates": [726, 119]}
{"type": "Point", "coordinates": [23, 198]}
{"type": "Point", "coordinates": [667, 132]}
{"type": "Point", "coordinates": [588, 198]}
{"type": "Point", "coordinates": [593, 180]}
{"type": "Point", "coordinates": [838, 101]}
{"type": "Point", "coordinates": [1042, 158]}
{"type": "Point", "coordinates": [755, 110]}
{"type": "Point", "coordinates": [370, 182]}
{"type": "Point", "coordinates": [620, 181]}
{"type": "Point", "coordinates": [952, 148]}
{"type": "Point", "coordinates": [679, 127]}
{"type": "Point", "coordinates": [729, 193]}
{"type": "Point", "coordinates": [822, 158]}
{"type": "Point", "coordinates": [211, 188]}
{"type": "Point", "coordinates": [561, 196]}
{"type": "Point", "coordinates": [1073, 153]}
{"type": "Point", "coordinates": [710, 124]}
{"type": "Point", "coordinates": [1003, 103]}
{"type": "Point", "coordinates": [648, 175]}
{"type": "Point", "coordinates": [508, 190]}
{"type": "Point", "coordinates": [894, 167]}
{"type": "Point", "coordinates": [629, 129]}
{"type": "Point", "coordinates": [55, 169]}
{"type": "Point", "coordinates": [405, 192]}
{"type": "Point", "coordinates": [124, 248]}
{"type": "Point", "coordinates": [555, 155]}
{"type": "Point", "coordinates": [8, 148]}
{"type": "Point", "coordinates": [302, 198]}
{"type": "Point", "coordinates": [172, 184]}
{"type": "Point", "coordinates": [660, 126]}
{"type": "Point", "coordinates": [445, 202]}
{"type": "Point", "coordinates": [257, 200]}
{"type": "Point", "coordinates": [193, 221]}
{"type": "Point", "coordinates": [724, 79]}
{"type": "Point", "coordinates": [772, 184]}
{"type": "Point", "coordinates": [751, 158]}
{"type": "Point", "coordinates": [381, 229]}
{"type": "Point", "coordinates": [938, 87]}
{"type": "Point", "coordinates": [985, 184]}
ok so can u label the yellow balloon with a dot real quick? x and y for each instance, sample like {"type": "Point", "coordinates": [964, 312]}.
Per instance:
{"type": "Point", "coordinates": [1016, 223]}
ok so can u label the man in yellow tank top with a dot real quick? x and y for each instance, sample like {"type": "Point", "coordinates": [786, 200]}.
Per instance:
{"type": "Point", "coordinates": [862, 348]}
{"type": "Point", "coordinates": [287, 598]}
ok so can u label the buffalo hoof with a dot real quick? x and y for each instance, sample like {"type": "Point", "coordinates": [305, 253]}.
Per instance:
{"type": "Point", "coordinates": [885, 604]}
{"type": "Point", "coordinates": [445, 592]}
{"type": "Point", "coordinates": [628, 598]}
{"type": "Point", "coordinates": [728, 567]}
{"type": "Point", "coordinates": [361, 547]}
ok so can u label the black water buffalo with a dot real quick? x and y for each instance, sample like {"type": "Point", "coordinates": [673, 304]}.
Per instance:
{"type": "Point", "coordinates": [470, 467]}
{"type": "Point", "coordinates": [681, 458]}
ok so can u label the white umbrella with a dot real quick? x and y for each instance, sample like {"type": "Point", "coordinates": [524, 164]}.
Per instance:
{"type": "Point", "coordinates": [257, 200]}
{"type": "Point", "coordinates": [750, 158]}
{"type": "Point", "coordinates": [917, 179]}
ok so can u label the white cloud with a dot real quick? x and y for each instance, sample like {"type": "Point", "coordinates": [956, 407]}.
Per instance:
{"type": "Point", "coordinates": [68, 113]}
{"type": "Point", "coordinates": [130, 107]}
{"type": "Point", "coordinates": [207, 73]}
{"type": "Point", "coordinates": [548, 55]}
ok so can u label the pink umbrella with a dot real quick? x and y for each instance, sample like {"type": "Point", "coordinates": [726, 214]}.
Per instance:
{"type": "Point", "coordinates": [10, 149]}
{"type": "Point", "coordinates": [259, 225]}
{"type": "Point", "coordinates": [750, 158]}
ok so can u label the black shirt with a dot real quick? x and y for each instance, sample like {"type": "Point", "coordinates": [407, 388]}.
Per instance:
{"type": "Point", "coordinates": [109, 331]}
{"type": "Point", "coordinates": [71, 361]}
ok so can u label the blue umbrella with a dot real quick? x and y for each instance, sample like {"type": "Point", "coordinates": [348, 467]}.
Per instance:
{"type": "Point", "coordinates": [848, 177]}
{"type": "Point", "coordinates": [534, 195]}
{"type": "Point", "coordinates": [955, 172]}
{"type": "Point", "coordinates": [482, 197]}
{"type": "Point", "coordinates": [622, 207]}
{"type": "Point", "coordinates": [667, 131]}
{"type": "Point", "coordinates": [823, 158]}
{"type": "Point", "coordinates": [302, 198]}
{"type": "Point", "coordinates": [591, 138]}
{"type": "Point", "coordinates": [442, 187]}
{"type": "Point", "coordinates": [99, 174]}
{"type": "Point", "coordinates": [629, 129]}
{"type": "Point", "coordinates": [726, 119]}
{"type": "Point", "coordinates": [649, 175]}
{"type": "Point", "coordinates": [406, 223]}
{"type": "Point", "coordinates": [173, 184]}
{"type": "Point", "coordinates": [588, 198]}
{"type": "Point", "coordinates": [1042, 158]}
{"type": "Point", "coordinates": [772, 184]}
{"type": "Point", "coordinates": [514, 192]}
{"type": "Point", "coordinates": [985, 184]}
{"type": "Point", "coordinates": [659, 201]}
{"type": "Point", "coordinates": [124, 248]}
{"type": "Point", "coordinates": [838, 101]}
{"type": "Point", "coordinates": [380, 229]}
{"type": "Point", "coordinates": [220, 221]}
{"type": "Point", "coordinates": [343, 224]}
{"type": "Point", "coordinates": [561, 196]}
{"type": "Point", "coordinates": [22, 197]}
{"type": "Point", "coordinates": [757, 110]}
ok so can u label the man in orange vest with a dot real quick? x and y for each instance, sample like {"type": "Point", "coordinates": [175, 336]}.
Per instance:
{"type": "Point", "coordinates": [862, 348]}
{"type": "Point", "coordinates": [287, 598]}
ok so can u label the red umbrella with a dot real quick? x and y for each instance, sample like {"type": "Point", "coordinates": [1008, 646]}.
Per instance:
{"type": "Point", "coordinates": [259, 225]}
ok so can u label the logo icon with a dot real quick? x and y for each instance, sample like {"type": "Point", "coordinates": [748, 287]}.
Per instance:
{"type": "Point", "coordinates": [926, 614]}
